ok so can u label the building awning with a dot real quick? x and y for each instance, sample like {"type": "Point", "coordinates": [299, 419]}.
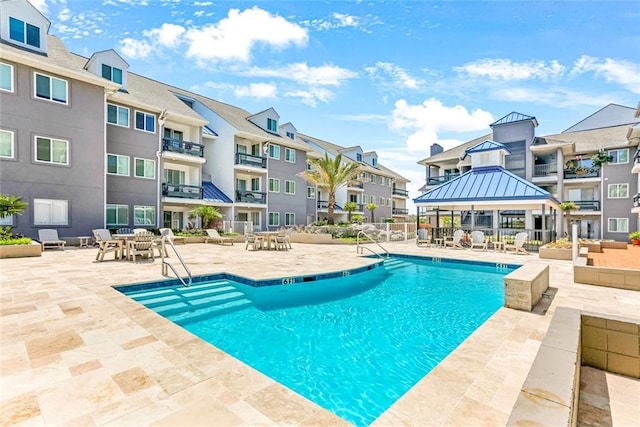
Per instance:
{"type": "Point", "coordinates": [211, 193]}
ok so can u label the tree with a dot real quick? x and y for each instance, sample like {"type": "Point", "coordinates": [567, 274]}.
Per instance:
{"type": "Point", "coordinates": [10, 205]}
{"type": "Point", "coordinates": [566, 208]}
{"type": "Point", "coordinates": [207, 213]}
{"type": "Point", "coordinates": [372, 207]}
{"type": "Point", "coordinates": [350, 207]}
{"type": "Point", "coordinates": [331, 174]}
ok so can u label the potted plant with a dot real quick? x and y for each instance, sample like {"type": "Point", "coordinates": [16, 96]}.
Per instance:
{"type": "Point", "coordinates": [601, 158]}
{"type": "Point", "coordinates": [11, 245]}
{"type": "Point", "coordinates": [635, 238]}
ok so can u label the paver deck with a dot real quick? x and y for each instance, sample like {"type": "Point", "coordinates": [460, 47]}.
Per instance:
{"type": "Point", "coordinates": [74, 351]}
{"type": "Point", "coordinates": [617, 258]}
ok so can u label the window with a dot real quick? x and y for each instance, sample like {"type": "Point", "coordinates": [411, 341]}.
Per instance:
{"type": "Point", "coordinates": [381, 180]}
{"type": "Point", "coordinates": [7, 221]}
{"type": "Point", "coordinates": [144, 215]}
{"type": "Point", "coordinates": [50, 150]}
{"type": "Point", "coordinates": [289, 155]}
{"type": "Point", "coordinates": [50, 88]}
{"type": "Point", "coordinates": [145, 122]}
{"type": "Point", "coordinates": [372, 199]}
{"type": "Point", "coordinates": [117, 214]}
{"type": "Point", "coordinates": [272, 125]}
{"type": "Point", "coordinates": [274, 218]}
{"type": "Point", "coordinates": [117, 165]}
{"type": "Point", "coordinates": [374, 162]}
{"type": "Point", "coordinates": [6, 77]}
{"type": "Point", "coordinates": [388, 201]}
{"type": "Point", "coordinates": [50, 212]}
{"type": "Point", "coordinates": [381, 202]}
{"type": "Point", "coordinates": [117, 115]}
{"type": "Point", "coordinates": [174, 176]}
{"type": "Point", "coordinates": [6, 144]}
{"type": "Point", "coordinates": [311, 193]}
{"type": "Point", "coordinates": [274, 151]}
{"type": "Point", "coordinates": [291, 135]}
{"type": "Point", "coordinates": [24, 33]}
{"type": "Point", "coordinates": [145, 168]}
{"type": "Point", "coordinates": [618, 191]}
{"type": "Point", "coordinates": [619, 156]}
{"type": "Point", "coordinates": [289, 218]}
{"type": "Point", "coordinates": [255, 184]}
{"type": "Point", "coordinates": [274, 185]}
{"type": "Point", "coordinates": [289, 187]}
{"type": "Point", "coordinates": [112, 73]}
{"type": "Point", "coordinates": [618, 225]}
{"type": "Point", "coordinates": [387, 182]}
{"type": "Point", "coordinates": [359, 157]}
{"type": "Point", "coordinates": [372, 178]}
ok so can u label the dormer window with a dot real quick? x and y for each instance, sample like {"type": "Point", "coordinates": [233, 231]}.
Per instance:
{"type": "Point", "coordinates": [272, 125]}
{"type": "Point", "coordinates": [23, 32]}
{"type": "Point", "coordinates": [374, 162]}
{"type": "Point", "coordinates": [359, 157]}
{"type": "Point", "coordinates": [112, 73]}
{"type": "Point", "coordinates": [291, 135]}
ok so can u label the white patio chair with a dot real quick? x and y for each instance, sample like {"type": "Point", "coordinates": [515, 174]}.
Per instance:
{"type": "Point", "coordinates": [518, 244]}
{"type": "Point", "coordinates": [478, 240]}
{"type": "Point", "coordinates": [49, 237]}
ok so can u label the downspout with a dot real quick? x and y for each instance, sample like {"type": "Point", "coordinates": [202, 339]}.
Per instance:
{"type": "Point", "coordinates": [104, 161]}
{"type": "Point", "coordinates": [161, 120]}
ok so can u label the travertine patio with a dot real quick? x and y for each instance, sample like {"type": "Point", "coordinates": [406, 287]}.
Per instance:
{"type": "Point", "coordinates": [77, 352]}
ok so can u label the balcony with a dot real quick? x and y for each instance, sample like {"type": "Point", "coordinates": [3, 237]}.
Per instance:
{"type": "Point", "coordinates": [251, 197]}
{"type": "Point", "coordinates": [399, 211]}
{"type": "Point", "coordinates": [437, 180]}
{"type": "Point", "coordinates": [636, 162]}
{"type": "Point", "coordinates": [636, 201]}
{"type": "Point", "coordinates": [550, 169]}
{"type": "Point", "coordinates": [400, 192]}
{"type": "Point", "coordinates": [182, 147]}
{"type": "Point", "coordinates": [355, 184]}
{"type": "Point", "coordinates": [182, 191]}
{"type": "Point", "coordinates": [588, 205]}
{"type": "Point", "coordinates": [581, 172]}
{"type": "Point", "coordinates": [251, 160]}
{"type": "Point", "coordinates": [324, 204]}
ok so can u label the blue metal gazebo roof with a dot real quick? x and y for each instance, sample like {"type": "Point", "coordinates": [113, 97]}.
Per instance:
{"type": "Point", "coordinates": [211, 193]}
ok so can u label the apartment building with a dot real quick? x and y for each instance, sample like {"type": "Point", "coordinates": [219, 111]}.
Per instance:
{"type": "Point", "coordinates": [89, 144]}
{"type": "Point", "coordinates": [562, 165]}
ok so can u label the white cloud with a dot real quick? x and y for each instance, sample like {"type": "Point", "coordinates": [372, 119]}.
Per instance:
{"type": "Point", "coordinates": [198, 13]}
{"type": "Point", "coordinates": [202, 3]}
{"type": "Point", "coordinates": [325, 75]}
{"type": "Point", "coordinates": [400, 78]}
{"type": "Point", "coordinates": [338, 20]}
{"type": "Point", "coordinates": [311, 96]}
{"type": "Point", "coordinates": [135, 48]}
{"type": "Point", "coordinates": [423, 122]}
{"type": "Point", "coordinates": [505, 69]}
{"type": "Point", "coordinates": [345, 20]}
{"type": "Point", "coordinates": [168, 35]}
{"type": "Point", "coordinates": [257, 90]}
{"type": "Point", "coordinates": [623, 72]}
{"type": "Point", "coordinates": [64, 14]}
{"type": "Point", "coordinates": [234, 37]}
{"type": "Point", "coordinates": [556, 96]}
{"type": "Point", "coordinates": [41, 5]}
{"type": "Point", "coordinates": [364, 118]}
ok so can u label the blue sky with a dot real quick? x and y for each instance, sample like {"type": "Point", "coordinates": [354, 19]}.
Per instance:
{"type": "Point", "coordinates": [393, 77]}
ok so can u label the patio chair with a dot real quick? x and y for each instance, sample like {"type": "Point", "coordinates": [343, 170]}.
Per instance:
{"type": "Point", "coordinates": [49, 237]}
{"type": "Point", "coordinates": [124, 231]}
{"type": "Point", "coordinates": [175, 239]}
{"type": "Point", "coordinates": [106, 243]}
{"type": "Point", "coordinates": [215, 237]}
{"type": "Point", "coordinates": [518, 244]}
{"type": "Point", "coordinates": [478, 240]}
{"type": "Point", "coordinates": [252, 239]}
{"type": "Point", "coordinates": [456, 241]}
{"type": "Point", "coordinates": [281, 240]}
{"type": "Point", "coordinates": [422, 237]}
{"type": "Point", "coordinates": [142, 244]}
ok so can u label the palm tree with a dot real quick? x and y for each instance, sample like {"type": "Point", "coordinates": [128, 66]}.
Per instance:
{"type": "Point", "coordinates": [207, 213]}
{"type": "Point", "coordinates": [372, 207]}
{"type": "Point", "coordinates": [350, 207]}
{"type": "Point", "coordinates": [10, 205]}
{"type": "Point", "coordinates": [566, 208]}
{"type": "Point", "coordinates": [332, 174]}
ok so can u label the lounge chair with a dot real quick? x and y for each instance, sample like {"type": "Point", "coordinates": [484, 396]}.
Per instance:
{"type": "Point", "coordinates": [518, 244]}
{"type": "Point", "coordinates": [252, 239]}
{"type": "Point", "coordinates": [478, 240]}
{"type": "Point", "coordinates": [49, 237]}
{"type": "Point", "coordinates": [175, 239]}
{"type": "Point", "coordinates": [142, 244]}
{"type": "Point", "coordinates": [215, 237]}
{"type": "Point", "coordinates": [106, 243]}
{"type": "Point", "coordinates": [456, 241]}
{"type": "Point", "coordinates": [422, 238]}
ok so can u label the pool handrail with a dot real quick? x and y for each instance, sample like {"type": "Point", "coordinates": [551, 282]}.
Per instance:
{"type": "Point", "coordinates": [360, 249]}
{"type": "Point", "coordinates": [167, 239]}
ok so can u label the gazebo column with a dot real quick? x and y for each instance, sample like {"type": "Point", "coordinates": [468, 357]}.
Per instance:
{"type": "Point", "coordinates": [473, 218]}
{"type": "Point", "coordinates": [438, 222]}
{"type": "Point", "coordinates": [544, 223]}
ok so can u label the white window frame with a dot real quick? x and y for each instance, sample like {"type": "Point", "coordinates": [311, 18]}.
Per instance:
{"type": "Point", "coordinates": [145, 162]}
{"type": "Point", "coordinates": [616, 156]}
{"type": "Point", "coordinates": [55, 211]}
{"type": "Point", "coordinates": [11, 78]}
{"type": "Point", "coordinates": [618, 222]}
{"type": "Point", "coordinates": [12, 139]}
{"type": "Point", "coordinates": [111, 68]}
{"type": "Point", "coordinates": [145, 211]}
{"type": "Point", "coordinates": [118, 108]}
{"type": "Point", "coordinates": [287, 217]}
{"type": "Point", "coordinates": [273, 149]}
{"type": "Point", "coordinates": [51, 80]}
{"type": "Point", "coordinates": [275, 215]}
{"type": "Point", "coordinates": [275, 125]}
{"type": "Point", "coordinates": [380, 180]}
{"type": "Point", "coordinates": [372, 178]}
{"type": "Point", "coordinates": [382, 201]}
{"type": "Point", "coordinates": [618, 187]}
{"type": "Point", "coordinates": [311, 192]}
{"type": "Point", "coordinates": [51, 140]}
{"type": "Point", "coordinates": [388, 201]}
{"type": "Point", "coordinates": [145, 114]}
{"type": "Point", "coordinates": [289, 155]}
{"type": "Point", "coordinates": [118, 157]}
{"type": "Point", "coordinates": [287, 184]}
{"type": "Point", "coordinates": [291, 135]}
{"type": "Point", "coordinates": [117, 207]}
{"type": "Point", "coordinates": [276, 182]}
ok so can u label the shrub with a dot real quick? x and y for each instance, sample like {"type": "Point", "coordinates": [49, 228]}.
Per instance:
{"type": "Point", "coordinates": [16, 241]}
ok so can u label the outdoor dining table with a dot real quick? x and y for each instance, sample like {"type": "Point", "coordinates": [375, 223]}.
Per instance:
{"type": "Point", "coordinates": [267, 236]}
{"type": "Point", "coordinates": [125, 243]}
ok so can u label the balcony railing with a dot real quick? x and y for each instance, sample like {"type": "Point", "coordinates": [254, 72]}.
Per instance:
{"type": "Point", "coordinates": [400, 192]}
{"type": "Point", "coordinates": [399, 211]}
{"type": "Point", "coordinates": [588, 205]}
{"type": "Point", "coordinates": [183, 147]}
{"type": "Point", "coordinates": [545, 170]}
{"type": "Point", "coordinates": [324, 204]}
{"type": "Point", "coordinates": [182, 191]}
{"type": "Point", "coordinates": [636, 201]}
{"type": "Point", "coordinates": [355, 184]}
{"type": "Point", "coordinates": [437, 180]}
{"type": "Point", "coordinates": [251, 197]}
{"type": "Point", "coordinates": [251, 160]}
{"type": "Point", "coordinates": [581, 172]}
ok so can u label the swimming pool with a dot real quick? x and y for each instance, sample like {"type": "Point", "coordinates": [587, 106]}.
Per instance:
{"type": "Point", "coordinates": [353, 344]}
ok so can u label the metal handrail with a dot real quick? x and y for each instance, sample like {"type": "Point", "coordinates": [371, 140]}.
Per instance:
{"type": "Point", "coordinates": [360, 249]}
{"type": "Point", "coordinates": [165, 264]}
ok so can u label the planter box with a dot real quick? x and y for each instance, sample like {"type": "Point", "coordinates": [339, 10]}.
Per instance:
{"type": "Point", "coordinates": [311, 238]}
{"type": "Point", "coordinates": [555, 253]}
{"type": "Point", "coordinates": [21, 251]}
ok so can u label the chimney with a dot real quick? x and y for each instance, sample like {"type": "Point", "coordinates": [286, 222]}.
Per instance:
{"type": "Point", "coordinates": [435, 149]}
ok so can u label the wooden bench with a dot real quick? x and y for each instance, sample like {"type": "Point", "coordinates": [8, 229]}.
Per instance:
{"type": "Point", "coordinates": [523, 288]}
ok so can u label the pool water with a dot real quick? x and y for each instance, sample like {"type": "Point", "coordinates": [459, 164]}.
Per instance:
{"type": "Point", "coordinates": [353, 344]}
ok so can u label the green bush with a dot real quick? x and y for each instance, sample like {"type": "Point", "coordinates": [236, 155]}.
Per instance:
{"type": "Point", "coordinates": [17, 241]}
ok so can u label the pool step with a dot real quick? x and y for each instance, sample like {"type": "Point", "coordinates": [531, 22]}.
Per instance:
{"type": "Point", "coordinates": [393, 263]}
